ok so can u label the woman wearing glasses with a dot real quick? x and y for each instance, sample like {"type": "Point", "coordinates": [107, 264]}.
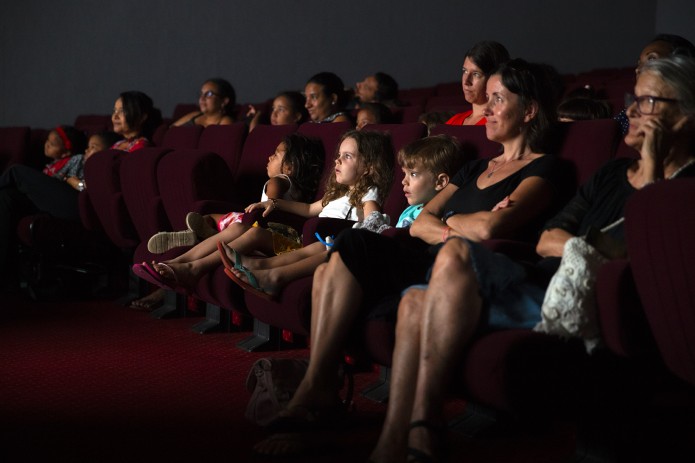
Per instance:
{"type": "Point", "coordinates": [465, 294]}
{"type": "Point", "coordinates": [216, 100]}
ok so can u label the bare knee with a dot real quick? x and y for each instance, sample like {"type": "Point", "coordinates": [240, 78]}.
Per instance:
{"type": "Point", "coordinates": [410, 309]}
{"type": "Point", "coordinates": [453, 258]}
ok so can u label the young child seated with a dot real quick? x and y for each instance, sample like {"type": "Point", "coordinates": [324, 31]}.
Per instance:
{"type": "Point", "coordinates": [293, 170]}
{"type": "Point", "coordinates": [427, 165]}
{"type": "Point", "coordinates": [356, 187]}
{"type": "Point", "coordinates": [373, 113]}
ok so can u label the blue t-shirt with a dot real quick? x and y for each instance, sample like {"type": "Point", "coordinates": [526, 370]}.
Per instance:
{"type": "Point", "coordinates": [409, 215]}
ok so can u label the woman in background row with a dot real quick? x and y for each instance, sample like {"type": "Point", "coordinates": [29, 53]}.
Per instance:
{"type": "Point", "coordinates": [326, 98]}
{"type": "Point", "coordinates": [216, 101]}
{"type": "Point", "coordinates": [478, 64]}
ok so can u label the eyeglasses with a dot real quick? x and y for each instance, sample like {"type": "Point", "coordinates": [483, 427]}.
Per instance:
{"type": "Point", "coordinates": [645, 103]}
{"type": "Point", "coordinates": [208, 94]}
{"type": "Point", "coordinates": [118, 112]}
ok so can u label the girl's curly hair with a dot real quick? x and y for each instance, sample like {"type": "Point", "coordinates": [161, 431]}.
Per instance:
{"type": "Point", "coordinates": [304, 156]}
{"type": "Point", "coordinates": [375, 155]}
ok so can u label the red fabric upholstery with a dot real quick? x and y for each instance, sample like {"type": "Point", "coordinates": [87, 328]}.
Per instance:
{"type": "Point", "coordinates": [456, 103]}
{"type": "Point", "coordinates": [659, 229]}
{"type": "Point", "coordinates": [184, 137]}
{"type": "Point", "coordinates": [621, 318]}
{"type": "Point", "coordinates": [102, 175]}
{"type": "Point", "coordinates": [224, 140]}
{"type": "Point", "coordinates": [14, 146]}
{"type": "Point", "coordinates": [93, 123]}
{"type": "Point", "coordinates": [141, 191]}
{"type": "Point", "coordinates": [588, 145]}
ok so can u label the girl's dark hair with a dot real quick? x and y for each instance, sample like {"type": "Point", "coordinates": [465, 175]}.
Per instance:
{"type": "Point", "coordinates": [331, 84]}
{"type": "Point", "coordinates": [386, 87]}
{"type": "Point", "coordinates": [375, 152]}
{"type": "Point", "coordinates": [77, 138]}
{"type": "Point", "coordinates": [304, 156]}
{"type": "Point", "coordinates": [680, 46]}
{"type": "Point", "coordinates": [381, 112]}
{"type": "Point", "coordinates": [580, 109]}
{"type": "Point", "coordinates": [109, 138]}
{"type": "Point", "coordinates": [140, 113]}
{"type": "Point", "coordinates": [487, 55]}
{"type": "Point", "coordinates": [531, 83]}
{"type": "Point", "coordinates": [225, 90]}
{"type": "Point", "coordinates": [296, 101]}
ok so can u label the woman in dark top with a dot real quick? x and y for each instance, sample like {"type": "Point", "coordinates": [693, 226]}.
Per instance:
{"type": "Point", "coordinates": [490, 198]}
{"type": "Point", "coordinates": [471, 288]}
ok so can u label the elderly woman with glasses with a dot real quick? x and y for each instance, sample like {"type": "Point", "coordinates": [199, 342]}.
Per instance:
{"type": "Point", "coordinates": [216, 101]}
{"type": "Point", "coordinates": [465, 293]}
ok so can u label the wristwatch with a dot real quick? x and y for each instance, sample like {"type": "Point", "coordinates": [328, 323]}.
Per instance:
{"type": "Point", "coordinates": [80, 186]}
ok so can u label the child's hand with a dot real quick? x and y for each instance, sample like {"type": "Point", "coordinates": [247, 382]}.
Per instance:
{"type": "Point", "coordinates": [267, 207]}
{"type": "Point", "coordinates": [506, 202]}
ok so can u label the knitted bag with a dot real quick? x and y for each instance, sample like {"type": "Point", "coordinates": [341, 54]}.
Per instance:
{"type": "Point", "coordinates": [272, 383]}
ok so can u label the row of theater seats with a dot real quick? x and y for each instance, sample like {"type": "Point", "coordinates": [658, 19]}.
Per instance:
{"type": "Point", "coordinates": [646, 303]}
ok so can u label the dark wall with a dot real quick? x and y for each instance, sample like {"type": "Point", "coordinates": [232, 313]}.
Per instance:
{"type": "Point", "coordinates": [58, 62]}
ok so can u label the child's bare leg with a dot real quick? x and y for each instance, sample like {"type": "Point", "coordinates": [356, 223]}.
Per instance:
{"type": "Point", "coordinates": [209, 246]}
{"type": "Point", "coordinates": [280, 260]}
{"type": "Point", "coordinates": [273, 279]}
{"type": "Point", "coordinates": [254, 239]}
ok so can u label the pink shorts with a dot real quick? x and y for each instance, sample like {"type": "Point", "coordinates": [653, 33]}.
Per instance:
{"type": "Point", "coordinates": [227, 219]}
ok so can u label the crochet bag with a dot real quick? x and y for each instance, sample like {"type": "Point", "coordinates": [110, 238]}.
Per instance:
{"type": "Point", "coordinates": [272, 383]}
{"type": "Point", "coordinates": [569, 306]}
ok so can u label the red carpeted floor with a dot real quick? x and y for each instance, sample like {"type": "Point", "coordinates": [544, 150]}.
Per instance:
{"type": "Point", "coordinates": [91, 381]}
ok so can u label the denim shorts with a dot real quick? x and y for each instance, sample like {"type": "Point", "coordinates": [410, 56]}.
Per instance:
{"type": "Point", "coordinates": [509, 299]}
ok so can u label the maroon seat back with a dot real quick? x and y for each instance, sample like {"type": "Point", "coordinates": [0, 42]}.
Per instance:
{"type": "Point", "coordinates": [93, 123]}
{"type": "Point", "coordinates": [141, 191]}
{"type": "Point", "coordinates": [184, 137]}
{"type": "Point", "coordinates": [14, 146]}
{"type": "Point", "coordinates": [102, 176]}
{"type": "Point", "coordinates": [182, 109]}
{"type": "Point", "coordinates": [587, 145]}
{"type": "Point", "coordinates": [660, 244]}
{"type": "Point", "coordinates": [224, 140]}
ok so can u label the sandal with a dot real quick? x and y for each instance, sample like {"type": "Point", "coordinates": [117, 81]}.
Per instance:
{"type": "Point", "coordinates": [222, 249]}
{"type": "Point", "coordinates": [438, 431]}
{"type": "Point", "coordinates": [148, 273]}
{"type": "Point", "coordinates": [163, 241]}
{"type": "Point", "coordinates": [199, 225]}
{"type": "Point", "coordinates": [252, 285]}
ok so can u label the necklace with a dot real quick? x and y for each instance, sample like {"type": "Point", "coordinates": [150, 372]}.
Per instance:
{"type": "Point", "coordinates": [498, 166]}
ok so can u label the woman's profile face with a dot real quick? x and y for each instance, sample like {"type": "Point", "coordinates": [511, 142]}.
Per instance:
{"type": "Point", "coordinates": [317, 102]}
{"type": "Point", "coordinates": [473, 82]}
{"type": "Point", "coordinates": [666, 112]}
{"type": "Point", "coordinates": [504, 112]}
{"type": "Point", "coordinates": [120, 126]}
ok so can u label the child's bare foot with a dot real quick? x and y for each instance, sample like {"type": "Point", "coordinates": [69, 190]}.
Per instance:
{"type": "Point", "coordinates": [178, 274]}
{"type": "Point", "coordinates": [259, 280]}
{"type": "Point", "coordinates": [149, 302]}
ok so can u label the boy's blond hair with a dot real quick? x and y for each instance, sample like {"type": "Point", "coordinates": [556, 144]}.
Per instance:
{"type": "Point", "coordinates": [440, 154]}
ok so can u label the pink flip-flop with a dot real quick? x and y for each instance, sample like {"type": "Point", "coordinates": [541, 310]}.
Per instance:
{"type": "Point", "coordinates": [148, 273]}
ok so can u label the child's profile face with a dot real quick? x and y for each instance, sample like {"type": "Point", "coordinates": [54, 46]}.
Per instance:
{"type": "Point", "coordinates": [54, 147]}
{"type": "Point", "coordinates": [282, 113]}
{"type": "Point", "coordinates": [96, 144]}
{"type": "Point", "coordinates": [419, 184]}
{"type": "Point", "coordinates": [364, 117]}
{"type": "Point", "coordinates": [274, 166]}
{"type": "Point", "coordinates": [348, 167]}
